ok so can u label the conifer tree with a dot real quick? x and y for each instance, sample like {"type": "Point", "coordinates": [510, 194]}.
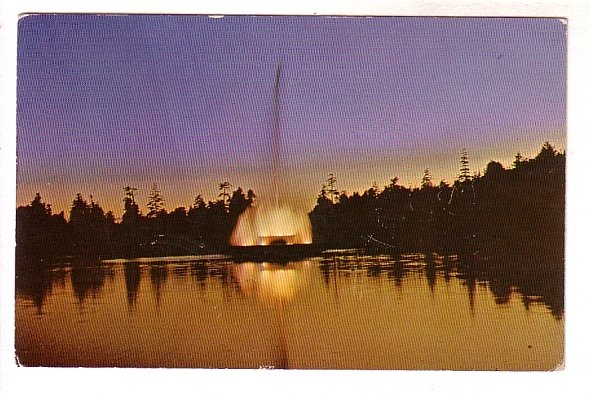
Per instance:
{"type": "Point", "coordinates": [426, 179]}
{"type": "Point", "coordinates": [224, 194]}
{"type": "Point", "coordinates": [155, 203]}
{"type": "Point", "coordinates": [199, 202]}
{"type": "Point", "coordinates": [331, 188]}
{"type": "Point", "coordinates": [464, 172]}
{"type": "Point", "coordinates": [518, 160]}
{"type": "Point", "coordinates": [131, 212]}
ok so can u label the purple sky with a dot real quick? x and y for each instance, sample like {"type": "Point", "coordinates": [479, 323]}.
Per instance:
{"type": "Point", "coordinates": [186, 101]}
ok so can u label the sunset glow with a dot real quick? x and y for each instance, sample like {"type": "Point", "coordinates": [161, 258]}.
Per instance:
{"type": "Point", "coordinates": [291, 192]}
{"type": "Point", "coordinates": [187, 102]}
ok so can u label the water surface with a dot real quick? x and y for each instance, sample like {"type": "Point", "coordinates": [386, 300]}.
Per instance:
{"type": "Point", "coordinates": [338, 311]}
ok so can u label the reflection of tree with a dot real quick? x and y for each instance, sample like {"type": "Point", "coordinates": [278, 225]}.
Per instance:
{"type": "Point", "coordinates": [467, 271]}
{"type": "Point", "coordinates": [502, 290]}
{"type": "Point", "coordinates": [447, 268]}
{"type": "Point", "coordinates": [326, 269]}
{"type": "Point", "coordinates": [158, 277]}
{"type": "Point", "coordinates": [34, 282]}
{"type": "Point", "coordinates": [537, 277]}
{"type": "Point", "coordinates": [550, 290]}
{"type": "Point", "coordinates": [132, 278]}
{"type": "Point", "coordinates": [374, 270]}
{"type": "Point", "coordinates": [430, 268]}
{"type": "Point", "coordinates": [87, 280]}
{"type": "Point", "coordinates": [200, 271]}
{"type": "Point", "coordinates": [180, 271]}
{"type": "Point", "coordinates": [397, 273]}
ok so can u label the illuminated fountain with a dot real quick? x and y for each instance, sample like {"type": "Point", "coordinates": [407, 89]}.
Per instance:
{"type": "Point", "coordinates": [265, 229]}
{"type": "Point", "coordinates": [272, 225]}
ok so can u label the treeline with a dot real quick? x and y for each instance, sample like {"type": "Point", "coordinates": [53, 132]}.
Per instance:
{"type": "Point", "coordinates": [91, 233]}
{"type": "Point", "coordinates": [505, 208]}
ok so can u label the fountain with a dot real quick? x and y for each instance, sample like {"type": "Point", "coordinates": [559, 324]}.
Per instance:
{"type": "Point", "coordinates": [271, 229]}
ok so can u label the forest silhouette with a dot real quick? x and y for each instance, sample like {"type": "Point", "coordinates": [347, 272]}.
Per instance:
{"type": "Point", "coordinates": [518, 209]}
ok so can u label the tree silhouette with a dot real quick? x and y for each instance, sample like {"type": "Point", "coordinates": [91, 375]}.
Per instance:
{"type": "Point", "coordinates": [518, 160]}
{"type": "Point", "coordinates": [197, 216]}
{"type": "Point", "coordinates": [128, 234]}
{"type": "Point", "coordinates": [224, 194]}
{"type": "Point", "coordinates": [250, 197]}
{"type": "Point", "coordinates": [238, 203]}
{"type": "Point", "coordinates": [88, 227]}
{"type": "Point", "coordinates": [39, 208]}
{"type": "Point", "coordinates": [426, 179]}
{"type": "Point", "coordinates": [494, 170]}
{"type": "Point", "coordinates": [199, 202]}
{"type": "Point", "coordinates": [331, 188]}
{"type": "Point", "coordinates": [547, 152]}
{"type": "Point", "coordinates": [546, 159]}
{"type": "Point", "coordinates": [464, 172]}
{"type": "Point", "coordinates": [39, 233]}
{"type": "Point", "coordinates": [519, 208]}
{"type": "Point", "coordinates": [131, 212]}
{"type": "Point", "coordinates": [79, 226]}
{"type": "Point", "coordinates": [155, 204]}
{"type": "Point", "coordinates": [80, 211]}
{"type": "Point", "coordinates": [323, 195]}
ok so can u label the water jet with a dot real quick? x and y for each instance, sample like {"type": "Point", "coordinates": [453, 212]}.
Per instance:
{"type": "Point", "coordinates": [271, 230]}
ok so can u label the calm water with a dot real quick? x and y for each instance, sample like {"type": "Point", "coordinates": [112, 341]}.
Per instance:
{"type": "Point", "coordinates": [332, 312]}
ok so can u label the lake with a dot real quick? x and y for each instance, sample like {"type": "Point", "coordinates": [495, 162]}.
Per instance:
{"type": "Point", "coordinates": [342, 310]}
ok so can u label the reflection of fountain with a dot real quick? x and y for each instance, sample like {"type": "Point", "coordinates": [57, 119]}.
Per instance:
{"type": "Point", "coordinates": [275, 286]}
{"type": "Point", "coordinates": [273, 223]}
{"type": "Point", "coordinates": [269, 283]}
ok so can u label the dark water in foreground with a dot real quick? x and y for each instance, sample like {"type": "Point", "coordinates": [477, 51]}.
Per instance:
{"type": "Point", "coordinates": [331, 312]}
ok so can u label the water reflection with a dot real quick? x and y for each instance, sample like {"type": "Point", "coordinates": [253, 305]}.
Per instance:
{"type": "Point", "coordinates": [536, 280]}
{"type": "Point", "coordinates": [269, 283]}
{"type": "Point", "coordinates": [307, 314]}
{"type": "Point", "coordinates": [35, 283]}
{"type": "Point", "coordinates": [430, 268]}
{"type": "Point", "coordinates": [396, 273]}
{"type": "Point", "coordinates": [158, 277]}
{"type": "Point", "coordinates": [273, 285]}
{"type": "Point", "coordinates": [87, 280]}
{"type": "Point", "coordinates": [132, 279]}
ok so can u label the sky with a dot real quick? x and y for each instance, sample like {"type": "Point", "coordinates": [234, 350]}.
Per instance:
{"type": "Point", "coordinates": [186, 102]}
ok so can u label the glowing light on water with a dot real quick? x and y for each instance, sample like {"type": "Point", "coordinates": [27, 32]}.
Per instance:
{"type": "Point", "coordinates": [271, 284]}
{"type": "Point", "coordinates": [264, 226]}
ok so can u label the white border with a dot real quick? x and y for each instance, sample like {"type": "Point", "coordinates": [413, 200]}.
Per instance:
{"type": "Point", "coordinates": [14, 379]}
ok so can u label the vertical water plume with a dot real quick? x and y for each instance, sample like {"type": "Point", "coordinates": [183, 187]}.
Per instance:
{"type": "Point", "coordinates": [271, 221]}
{"type": "Point", "coordinates": [276, 138]}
